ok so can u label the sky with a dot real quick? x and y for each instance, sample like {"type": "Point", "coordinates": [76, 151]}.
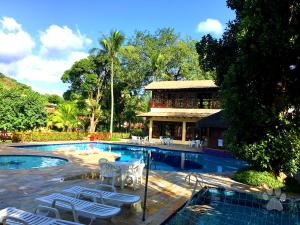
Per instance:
{"type": "Point", "coordinates": [39, 40]}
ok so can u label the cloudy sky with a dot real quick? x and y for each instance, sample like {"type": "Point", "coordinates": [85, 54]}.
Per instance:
{"type": "Point", "coordinates": [39, 40]}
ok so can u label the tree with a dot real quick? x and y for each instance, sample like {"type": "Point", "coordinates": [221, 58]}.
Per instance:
{"type": "Point", "coordinates": [21, 110]}
{"type": "Point", "coordinates": [87, 79]}
{"type": "Point", "coordinates": [162, 56]}
{"type": "Point", "coordinates": [65, 117]}
{"type": "Point", "coordinates": [111, 46]}
{"type": "Point", "coordinates": [54, 99]}
{"type": "Point", "coordinates": [257, 66]}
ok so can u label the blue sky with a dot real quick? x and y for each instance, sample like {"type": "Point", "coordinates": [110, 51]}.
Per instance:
{"type": "Point", "coordinates": [41, 39]}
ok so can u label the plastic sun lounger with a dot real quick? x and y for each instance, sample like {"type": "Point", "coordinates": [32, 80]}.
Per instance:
{"type": "Point", "coordinates": [14, 216]}
{"type": "Point", "coordinates": [107, 197]}
{"type": "Point", "coordinates": [91, 210]}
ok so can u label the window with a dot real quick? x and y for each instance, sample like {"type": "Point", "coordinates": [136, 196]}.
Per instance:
{"type": "Point", "coordinates": [167, 129]}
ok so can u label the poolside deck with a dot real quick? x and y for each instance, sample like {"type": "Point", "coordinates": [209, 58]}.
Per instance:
{"type": "Point", "coordinates": [167, 190]}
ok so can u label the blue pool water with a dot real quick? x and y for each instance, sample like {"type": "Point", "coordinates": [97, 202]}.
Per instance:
{"type": "Point", "coordinates": [29, 161]}
{"type": "Point", "coordinates": [220, 207]}
{"type": "Point", "coordinates": [160, 159]}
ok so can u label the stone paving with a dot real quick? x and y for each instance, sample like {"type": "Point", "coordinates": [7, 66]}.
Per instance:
{"type": "Point", "coordinates": [167, 190]}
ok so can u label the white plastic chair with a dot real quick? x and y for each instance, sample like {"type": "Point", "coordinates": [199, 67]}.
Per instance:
{"type": "Point", "coordinates": [193, 143]}
{"type": "Point", "coordinates": [145, 140]}
{"type": "Point", "coordinates": [168, 141]}
{"type": "Point", "coordinates": [162, 140]}
{"type": "Point", "coordinates": [134, 140]}
{"type": "Point", "coordinates": [78, 207]}
{"type": "Point", "coordinates": [14, 216]}
{"type": "Point", "coordinates": [107, 171]}
{"type": "Point", "coordinates": [135, 173]}
{"type": "Point", "coordinates": [152, 142]}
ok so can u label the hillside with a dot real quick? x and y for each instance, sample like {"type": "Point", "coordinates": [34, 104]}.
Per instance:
{"type": "Point", "coordinates": [9, 83]}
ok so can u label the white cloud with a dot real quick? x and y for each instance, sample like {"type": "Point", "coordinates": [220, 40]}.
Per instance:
{"type": "Point", "coordinates": [56, 40]}
{"type": "Point", "coordinates": [59, 48]}
{"type": "Point", "coordinates": [10, 24]}
{"type": "Point", "coordinates": [15, 43]}
{"type": "Point", "coordinates": [36, 68]}
{"type": "Point", "coordinates": [212, 26]}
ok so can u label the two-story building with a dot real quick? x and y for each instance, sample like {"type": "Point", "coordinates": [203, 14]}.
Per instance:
{"type": "Point", "coordinates": [185, 110]}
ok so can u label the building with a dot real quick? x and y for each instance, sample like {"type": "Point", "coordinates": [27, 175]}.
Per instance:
{"type": "Point", "coordinates": [185, 110]}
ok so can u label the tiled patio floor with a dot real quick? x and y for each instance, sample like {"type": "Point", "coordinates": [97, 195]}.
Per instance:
{"type": "Point", "coordinates": [167, 190]}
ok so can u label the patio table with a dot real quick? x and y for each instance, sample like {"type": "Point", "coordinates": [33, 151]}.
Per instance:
{"type": "Point", "coordinates": [124, 167]}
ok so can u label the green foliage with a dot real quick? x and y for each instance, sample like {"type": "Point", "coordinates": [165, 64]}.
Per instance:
{"type": "Point", "coordinates": [65, 117]}
{"type": "Point", "coordinates": [21, 109]}
{"type": "Point", "coordinates": [8, 83]}
{"type": "Point", "coordinates": [257, 178]}
{"type": "Point", "coordinates": [137, 132]}
{"type": "Point", "coordinates": [120, 135]}
{"type": "Point", "coordinates": [279, 152]}
{"type": "Point", "coordinates": [291, 185]}
{"type": "Point", "coordinates": [54, 99]}
{"type": "Point", "coordinates": [161, 56]}
{"type": "Point", "coordinates": [87, 79]}
{"type": "Point", "coordinates": [110, 47]}
{"type": "Point", "coordinates": [48, 136]}
{"type": "Point", "coordinates": [257, 66]}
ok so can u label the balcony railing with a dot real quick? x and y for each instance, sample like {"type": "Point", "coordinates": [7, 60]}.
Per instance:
{"type": "Point", "coordinates": [185, 103]}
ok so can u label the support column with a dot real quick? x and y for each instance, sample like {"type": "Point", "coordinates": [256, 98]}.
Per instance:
{"type": "Point", "coordinates": [183, 132]}
{"type": "Point", "coordinates": [150, 128]}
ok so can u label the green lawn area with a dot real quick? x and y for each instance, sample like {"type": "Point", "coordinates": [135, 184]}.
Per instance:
{"type": "Point", "coordinates": [260, 178]}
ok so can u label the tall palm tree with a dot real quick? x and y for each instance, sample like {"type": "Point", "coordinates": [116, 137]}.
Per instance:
{"type": "Point", "coordinates": [111, 46]}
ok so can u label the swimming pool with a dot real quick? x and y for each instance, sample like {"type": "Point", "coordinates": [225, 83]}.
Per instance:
{"type": "Point", "coordinates": [167, 160]}
{"type": "Point", "coordinates": [222, 207]}
{"type": "Point", "coordinates": [29, 161]}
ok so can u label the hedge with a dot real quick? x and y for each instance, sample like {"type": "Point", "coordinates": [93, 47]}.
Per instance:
{"type": "Point", "coordinates": [47, 136]}
{"type": "Point", "coordinates": [64, 136]}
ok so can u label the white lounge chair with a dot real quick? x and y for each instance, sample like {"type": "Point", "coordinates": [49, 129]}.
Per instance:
{"type": "Point", "coordinates": [14, 216]}
{"type": "Point", "coordinates": [101, 196]}
{"type": "Point", "coordinates": [78, 207]}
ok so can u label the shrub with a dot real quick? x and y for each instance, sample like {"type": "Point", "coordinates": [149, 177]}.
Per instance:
{"type": "Point", "coordinates": [47, 136]}
{"type": "Point", "coordinates": [137, 132]}
{"type": "Point", "coordinates": [278, 152]}
{"type": "Point", "coordinates": [121, 135]}
{"type": "Point", "coordinates": [291, 185]}
{"type": "Point", "coordinates": [257, 178]}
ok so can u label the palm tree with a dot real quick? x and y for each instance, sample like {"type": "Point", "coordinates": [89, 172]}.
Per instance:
{"type": "Point", "coordinates": [111, 46]}
{"type": "Point", "coordinates": [65, 116]}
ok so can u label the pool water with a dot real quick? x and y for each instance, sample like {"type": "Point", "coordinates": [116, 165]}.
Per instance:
{"type": "Point", "coordinates": [167, 160]}
{"type": "Point", "coordinates": [220, 207]}
{"type": "Point", "coordinates": [29, 161]}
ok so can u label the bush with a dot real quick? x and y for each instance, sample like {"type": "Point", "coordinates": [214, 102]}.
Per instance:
{"type": "Point", "coordinates": [47, 136]}
{"type": "Point", "coordinates": [257, 178]}
{"type": "Point", "coordinates": [137, 132]}
{"type": "Point", "coordinates": [121, 135]}
{"type": "Point", "coordinates": [277, 152]}
{"type": "Point", "coordinates": [291, 185]}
